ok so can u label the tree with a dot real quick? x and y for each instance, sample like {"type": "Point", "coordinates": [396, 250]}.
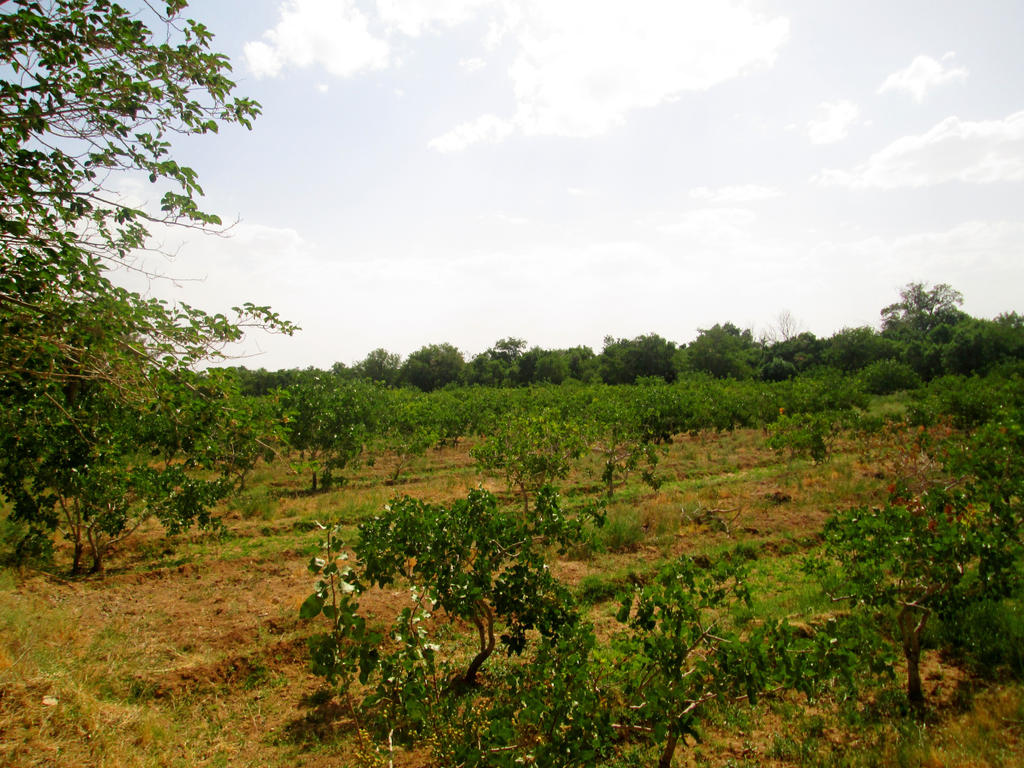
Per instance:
{"type": "Point", "coordinates": [452, 415]}
{"type": "Point", "coordinates": [977, 345]}
{"type": "Point", "coordinates": [724, 351]}
{"type": "Point", "coordinates": [854, 348]}
{"type": "Point", "coordinates": [802, 350]}
{"type": "Point", "coordinates": [525, 371]}
{"type": "Point", "coordinates": [433, 367]}
{"type": "Point", "coordinates": [680, 653]}
{"type": "Point", "coordinates": [95, 468]}
{"type": "Point", "coordinates": [531, 450]}
{"type": "Point", "coordinates": [582, 362]}
{"type": "Point", "coordinates": [884, 377]}
{"type": "Point", "coordinates": [409, 426]}
{"type": "Point", "coordinates": [475, 561]}
{"type": "Point", "coordinates": [619, 437]}
{"type": "Point", "coordinates": [328, 422]}
{"type": "Point", "coordinates": [552, 368]}
{"type": "Point", "coordinates": [777, 369]}
{"type": "Point", "coordinates": [623, 361]}
{"type": "Point", "coordinates": [261, 381]}
{"type": "Point", "coordinates": [485, 371]}
{"type": "Point", "coordinates": [508, 350]}
{"type": "Point", "coordinates": [937, 552]}
{"type": "Point", "coordinates": [239, 430]}
{"type": "Point", "coordinates": [922, 323]}
{"type": "Point", "coordinates": [90, 92]}
{"type": "Point", "coordinates": [380, 365]}
{"type": "Point", "coordinates": [920, 310]}
{"type": "Point", "coordinates": [785, 327]}
{"type": "Point", "coordinates": [499, 365]}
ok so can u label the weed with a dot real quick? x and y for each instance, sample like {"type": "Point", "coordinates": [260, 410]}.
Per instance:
{"type": "Point", "coordinates": [256, 502]}
{"type": "Point", "coordinates": [259, 677]}
{"type": "Point", "coordinates": [599, 588]}
{"type": "Point", "coordinates": [785, 747]}
{"type": "Point", "coordinates": [621, 532]}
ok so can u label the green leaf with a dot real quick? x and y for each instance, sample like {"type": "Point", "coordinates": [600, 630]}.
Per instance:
{"type": "Point", "coordinates": [624, 607]}
{"type": "Point", "coordinates": [311, 607]}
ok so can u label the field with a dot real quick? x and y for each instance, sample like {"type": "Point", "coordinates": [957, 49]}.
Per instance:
{"type": "Point", "coordinates": [742, 550]}
{"type": "Point", "coordinates": [190, 650]}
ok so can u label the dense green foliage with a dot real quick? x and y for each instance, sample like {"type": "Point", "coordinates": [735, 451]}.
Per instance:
{"type": "Point", "coordinates": [923, 336]}
{"type": "Point", "coordinates": [99, 382]}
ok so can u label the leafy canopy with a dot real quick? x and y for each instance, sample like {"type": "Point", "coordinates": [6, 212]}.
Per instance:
{"type": "Point", "coordinates": [91, 96]}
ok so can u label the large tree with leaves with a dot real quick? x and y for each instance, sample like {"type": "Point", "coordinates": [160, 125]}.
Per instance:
{"type": "Point", "coordinates": [92, 93]}
{"type": "Point", "coordinates": [921, 309]}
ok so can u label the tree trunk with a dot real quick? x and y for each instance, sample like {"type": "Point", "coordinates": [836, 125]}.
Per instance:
{"type": "Point", "coordinates": [483, 618]}
{"type": "Point", "coordinates": [911, 630]}
{"type": "Point", "coordinates": [76, 560]}
{"type": "Point", "coordinates": [399, 465]}
{"type": "Point", "coordinates": [96, 546]}
{"type": "Point", "coordinates": [73, 518]}
{"type": "Point", "coordinates": [314, 479]}
{"type": "Point", "coordinates": [97, 561]}
{"type": "Point", "coordinates": [669, 751]}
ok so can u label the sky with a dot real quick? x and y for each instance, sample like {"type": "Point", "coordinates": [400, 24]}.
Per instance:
{"type": "Point", "coordinates": [460, 171]}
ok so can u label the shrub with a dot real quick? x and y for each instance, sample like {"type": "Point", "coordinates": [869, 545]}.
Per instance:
{"type": "Point", "coordinates": [883, 377]}
{"type": "Point", "coordinates": [989, 636]}
{"type": "Point", "coordinates": [810, 434]}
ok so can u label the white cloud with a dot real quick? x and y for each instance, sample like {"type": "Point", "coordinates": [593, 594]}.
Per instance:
{"type": "Point", "coordinates": [214, 271]}
{"type": "Point", "coordinates": [413, 17]}
{"type": "Point", "coordinates": [954, 150]}
{"type": "Point", "coordinates": [504, 218]}
{"type": "Point", "coordinates": [580, 67]}
{"type": "Point", "coordinates": [332, 34]}
{"type": "Point", "coordinates": [714, 225]}
{"type": "Point", "coordinates": [988, 246]}
{"type": "Point", "coordinates": [962, 247]}
{"type": "Point", "coordinates": [472, 65]}
{"type": "Point", "coordinates": [580, 79]}
{"type": "Point", "coordinates": [922, 75]}
{"type": "Point", "coordinates": [833, 121]}
{"type": "Point", "coordinates": [737, 194]}
{"type": "Point", "coordinates": [262, 59]}
{"type": "Point", "coordinates": [487, 128]}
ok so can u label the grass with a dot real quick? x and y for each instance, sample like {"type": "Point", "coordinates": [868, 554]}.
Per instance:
{"type": "Point", "coordinates": [190, 651]}
{"type": "Point", "coordinates": [781, 589]}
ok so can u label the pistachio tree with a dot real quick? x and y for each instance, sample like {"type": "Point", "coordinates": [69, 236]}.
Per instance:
{"type": "Point", "coordinates": [471, 562]}
{"type": "Point", "coordinates": [530, 450]}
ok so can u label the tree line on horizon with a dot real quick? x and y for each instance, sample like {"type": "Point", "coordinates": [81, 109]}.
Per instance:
{"type": "Point", "coordinates": [923, 335]}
